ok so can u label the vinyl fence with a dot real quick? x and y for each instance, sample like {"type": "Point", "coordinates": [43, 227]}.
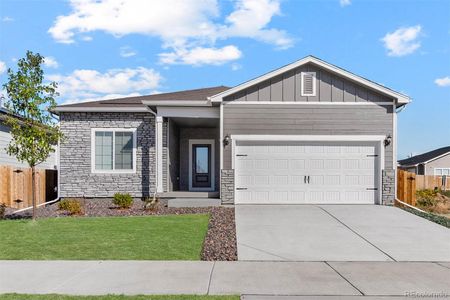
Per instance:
{"type": "Point", "coordinates": [16, 186]}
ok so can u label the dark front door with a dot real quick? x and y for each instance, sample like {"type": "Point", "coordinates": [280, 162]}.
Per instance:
{"type": "Point", "coordinates": [201, 166]}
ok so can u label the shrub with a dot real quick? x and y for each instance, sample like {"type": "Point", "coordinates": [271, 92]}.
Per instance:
{"type": "Point", "coordinates": [72, 206]}
{"type": "Point", "coordinates": [123, 200]}
{"type": "Point", "coordinates": [426, 194]}
{"type": "Point", "coordinates": [446, 193]}
{"type": "Point", "coordinates": [2, 210]}
{"type": "Point", "coordinates": [426, 202]}
{"type": "Point", "coordinates": [151, 203]}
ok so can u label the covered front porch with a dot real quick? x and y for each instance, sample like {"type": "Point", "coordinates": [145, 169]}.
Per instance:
{"type": "Point", "coordinates": [187, 150]}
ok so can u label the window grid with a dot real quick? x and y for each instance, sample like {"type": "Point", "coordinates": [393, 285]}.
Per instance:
{"type": "Point", "coordinates": [113, 150]}
{"type": "Point", "coordinates": [442, 171]}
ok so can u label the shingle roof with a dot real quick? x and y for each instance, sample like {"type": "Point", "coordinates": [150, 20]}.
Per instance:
{"type": "Point", "coordinates": [424, 157]}
{"type": "Point", "coordinates": [188, 95]}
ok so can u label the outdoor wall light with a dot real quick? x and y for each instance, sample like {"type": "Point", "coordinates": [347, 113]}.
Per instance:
{"type": "Point", "coordinates": [387, 140]}
{"type": "Point", "coordinates": [226, 140]}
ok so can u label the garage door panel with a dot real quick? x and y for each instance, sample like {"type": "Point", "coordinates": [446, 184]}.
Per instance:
{"type": "Point", "coordinates": [335, 172]}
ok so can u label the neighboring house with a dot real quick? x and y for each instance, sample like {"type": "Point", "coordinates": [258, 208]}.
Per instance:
{"type": "Point", "coordinates": [435, 162]}
{"type": "Point", "coordinates": [308, 132]}
{"type": "Point", "coordinates": [5, 138]}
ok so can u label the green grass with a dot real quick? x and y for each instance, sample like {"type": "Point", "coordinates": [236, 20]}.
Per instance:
{"type": "Point", "coordinates": [441, 220]}
{"type": "Point", "coordinates": [112, 297]}
{"type": "Point", "coordinates": [110, 238]}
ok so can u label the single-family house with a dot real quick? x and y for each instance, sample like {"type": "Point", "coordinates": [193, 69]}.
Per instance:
{"type": "Point", "coordinates": [434, 162]}
{"type": "Point", "coordinates": [308, 132]}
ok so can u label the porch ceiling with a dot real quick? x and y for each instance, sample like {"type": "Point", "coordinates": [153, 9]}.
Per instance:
{"type": "Point", "coordinates": [196, 122]}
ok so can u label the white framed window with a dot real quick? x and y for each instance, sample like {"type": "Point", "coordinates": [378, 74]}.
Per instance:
{"type": "Point", "coordinates": [442, 171]}
{"type": "Point", "coordinates": [113, 150]}
{"type": "Point", "coordinates": [308, 80]}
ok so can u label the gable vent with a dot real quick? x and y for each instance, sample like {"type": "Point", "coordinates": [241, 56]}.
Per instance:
{"type": "Point", "coordinates": [308, 83]}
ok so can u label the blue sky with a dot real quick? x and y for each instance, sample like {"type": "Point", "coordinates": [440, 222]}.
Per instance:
{"type": "Point", "coordinates": [113, 48]}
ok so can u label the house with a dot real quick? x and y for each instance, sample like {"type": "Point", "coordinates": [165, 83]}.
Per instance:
{"type": "Point", "coordinates": [308, 132]}
{"type": "Point", "coordinates": [5, 138]}
{"type": "Point", "coordinates": [435, 162]}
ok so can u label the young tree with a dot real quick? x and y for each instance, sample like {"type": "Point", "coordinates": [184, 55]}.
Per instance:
{"type": "Point", "coordinates": [33, 129]}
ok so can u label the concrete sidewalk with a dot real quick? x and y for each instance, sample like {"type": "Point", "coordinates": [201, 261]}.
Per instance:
{"type": "Point", "coordinates": [219, 278]}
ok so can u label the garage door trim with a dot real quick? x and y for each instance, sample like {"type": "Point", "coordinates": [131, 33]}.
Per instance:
{"type": "Point", "coordinates": [379, 139]}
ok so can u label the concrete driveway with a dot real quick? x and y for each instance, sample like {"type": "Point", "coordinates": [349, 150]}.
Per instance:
{"type": "Point", "coordinates": [337, 233]}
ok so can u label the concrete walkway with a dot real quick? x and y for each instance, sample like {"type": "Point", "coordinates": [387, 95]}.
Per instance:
{"type": "Point", "coordinates": [219, 278]}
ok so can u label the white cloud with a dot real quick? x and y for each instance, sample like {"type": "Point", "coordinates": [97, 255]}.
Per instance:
{"type": "Point", "coordinates": [403, 41]}
{"type": "Point", "coordinates": [127, 51]}
{"type": "Point", "coordinates": [201, 56]}
{"type": "Point", "coordinates": [86, 38]}
{"type": "Point", "coordinates": [250, 18]}
{"type": "Point", "coordinates": [182, 25]}
{"type": "Point", "coordinates": [7, 19]}
{"type": "Point", "coordinates": [50, 62]}
{"type": "Point", "coordinates": [444, 81]}
{"type": "Point", "coordinates": [345, 2]}
{"type": "Point", "coordinates": [104, 97]}
{"type": "Point", "coordinates": [92, 84]}
{"type": "Point", "coordinates": [235, 67]}
{"type": "Point", "coordinates": [2, 67]}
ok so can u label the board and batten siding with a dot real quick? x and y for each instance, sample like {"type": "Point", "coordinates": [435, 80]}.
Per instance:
{"type": "Point", "coordinates": [294, 119]}
{"type": "Point", "coordinates": [5, 159]}
{"type": "Point", "coordinates": [329, 88]}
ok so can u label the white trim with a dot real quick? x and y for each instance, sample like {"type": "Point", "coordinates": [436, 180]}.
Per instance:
{"type": "Point", "coordinates": [309, 138]}
{"type": "Point", "coordinates": [437, 157]}
{"type": "Point", "coordinates": [401, 98]}
{"type": "Point", "coordinates": [213, 171]}
{"type": "Point", "coordinates": [394, 147]}
{"type": "Point", "coordinates": [168, 156]}
{"type": "Point", "coordinates": [309, 103]}
{"type": "Point", "coordinates": [113, 130]}
{"type": "Point", "coordinates": [101, 109]}
{"type": "Point", "coordinates": [221, 147]}
{"type": "Point", "coordinates": [159, 154]}
{"type": "Point", "coordinates": [302, 92]}
{"type": "Point", "coordinates": [221, 135]}
{"type": "Point", "coordinates": [177, 102]}
{"type": "Point", "coordinates": [442, 169]}
{"type": "Point", "coordinates": [378, 139]}
{"type": "Point", "coordinates": [189, 112]}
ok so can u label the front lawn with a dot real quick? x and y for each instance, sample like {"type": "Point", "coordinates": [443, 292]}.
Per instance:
{"type": "Point", "coordinates": [105, 238]}
{"type": "Point", "coordinates": [113, 297]}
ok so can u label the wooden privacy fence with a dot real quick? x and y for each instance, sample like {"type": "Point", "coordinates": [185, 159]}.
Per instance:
{"type": "Point", "coordinates": [16, 186]}
{"type": "Point", "coordinates": [406, 187]}
{"type": "Point", "coordinates": [408, 183]}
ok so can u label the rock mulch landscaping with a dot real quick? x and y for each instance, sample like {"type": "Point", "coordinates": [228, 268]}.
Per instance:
{"type": "Point", "coordinates": [220, 241]}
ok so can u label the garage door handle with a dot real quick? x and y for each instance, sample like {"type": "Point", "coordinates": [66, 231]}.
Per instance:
{"type": "Point", "coordinates": [304, 179]}
{"type": "Point", "coordinates": [241, 189]}
{"type": "Point", "coordinates": [241, 154]}
{"type": "Point", "coordinates": [308, 179]}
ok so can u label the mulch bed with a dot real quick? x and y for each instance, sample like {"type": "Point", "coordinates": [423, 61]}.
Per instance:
{"type": "Point", "coordinates": [220, 241]}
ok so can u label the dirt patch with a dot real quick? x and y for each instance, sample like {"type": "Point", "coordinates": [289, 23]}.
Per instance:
{"type": "Point", "coordinates": [220, 241]}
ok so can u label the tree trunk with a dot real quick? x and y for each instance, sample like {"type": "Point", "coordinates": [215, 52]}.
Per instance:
{"type": "Point", "coordinates": [33, 190]}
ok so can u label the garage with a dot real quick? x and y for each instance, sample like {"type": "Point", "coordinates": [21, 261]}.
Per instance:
{"type": "Point", "coordinates": [307, 172]}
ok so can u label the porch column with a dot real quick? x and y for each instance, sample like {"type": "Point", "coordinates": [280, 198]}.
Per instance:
{"type": "Point", "coordinates": [159, 154]}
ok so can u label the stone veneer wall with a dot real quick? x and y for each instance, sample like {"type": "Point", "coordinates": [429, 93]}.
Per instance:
{"type": "Point", "coordinates": [75, 156]}
{"type": "Point", "coordinates": [227, 186]}
{"type": "Point", "coordinates": [388, 187]}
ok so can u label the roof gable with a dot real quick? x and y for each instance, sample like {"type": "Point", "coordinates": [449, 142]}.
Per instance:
{"type": "Point", "coordinates": [425, 157]}
{"type": "Point", "coordinates": [310, 60]}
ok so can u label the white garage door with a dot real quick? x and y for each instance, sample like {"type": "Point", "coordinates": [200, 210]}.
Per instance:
{"type": "Point", "coordinates": [312, 172]}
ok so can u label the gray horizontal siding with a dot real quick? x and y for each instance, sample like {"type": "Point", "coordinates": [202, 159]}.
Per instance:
{"type": "Point", "coordinates": [5, 159]}
{"type": "Point", "coordinates": [330, 88]}
{"type": "Point", "coordinates": [311, 120]}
